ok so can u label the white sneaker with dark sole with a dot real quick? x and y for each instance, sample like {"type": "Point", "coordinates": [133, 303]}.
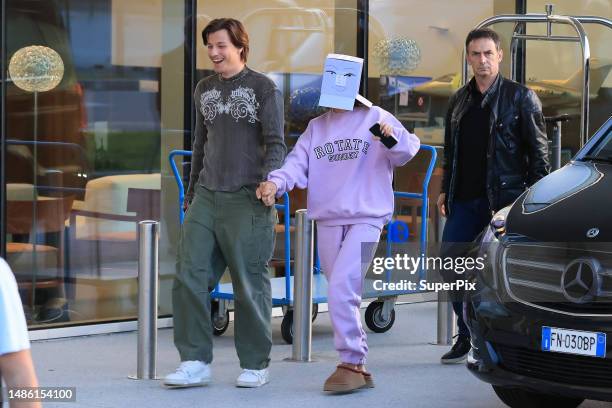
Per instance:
{"type": "Point", "coordinates": [189, 374]}
{"type": "Point", "coordinates": [253, 378]}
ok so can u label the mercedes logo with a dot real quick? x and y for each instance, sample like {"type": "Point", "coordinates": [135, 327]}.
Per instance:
{"type": "Point", "coordinates": [592, 233]}
{"type": "Point", "coordinates": [580, 280]}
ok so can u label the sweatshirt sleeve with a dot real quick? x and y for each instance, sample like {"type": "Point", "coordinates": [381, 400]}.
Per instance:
{"type": "Point", "coordinates": [200, 136]}
{"type": "Point", "coordinates": [407, 146]}
{"type": "Point", "coordinates": [294, 172]}
{"type": "Point", "coordinates": [272, 123]}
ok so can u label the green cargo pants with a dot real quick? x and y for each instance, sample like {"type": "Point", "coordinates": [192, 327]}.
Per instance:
{"type": "Point", "coordinates": [234, 230]}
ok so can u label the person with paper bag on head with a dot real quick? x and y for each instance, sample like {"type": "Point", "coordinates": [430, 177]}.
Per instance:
{"type": "Point", "coordinates": [348, 172]}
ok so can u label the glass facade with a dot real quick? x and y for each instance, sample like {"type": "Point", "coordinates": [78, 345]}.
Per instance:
{"type": "Point", "coordinates": [560, 88]}
{"type": "Point", "coordinates": [84, 161]}
{"type": "Point", "coordinates": [414, 67]}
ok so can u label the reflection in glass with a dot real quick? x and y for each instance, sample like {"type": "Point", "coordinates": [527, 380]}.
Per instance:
{"type": "Point", "coordinates": [36, 68]}
{"type": "Point", "coordinates": [83, 158]}
{"type": "Point", "coordinates": [414, 69]}
{"type": "Point", "coordinates": [553, 69]}
{"type": "Point", "coordinates": [398, 56]}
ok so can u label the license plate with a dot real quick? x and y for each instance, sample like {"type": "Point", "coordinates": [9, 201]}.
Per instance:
{"type": "Point", "coordinates": [573, 342]}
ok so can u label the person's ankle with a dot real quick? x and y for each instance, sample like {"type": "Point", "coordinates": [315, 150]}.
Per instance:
{"type": "Point", "coordinates": [359, 367]}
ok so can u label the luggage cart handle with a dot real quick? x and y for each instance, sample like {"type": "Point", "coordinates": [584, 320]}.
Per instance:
{"type": "Point", "coordinates": [430, 167]}
{"type": "Point", "coordinates": [421, 196]}
{"type": "Point", "coordinates": [428, 174]}
{"type": "Point", "coordinates": [177, 178]}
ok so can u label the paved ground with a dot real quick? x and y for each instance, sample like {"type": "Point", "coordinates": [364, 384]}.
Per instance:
{"type": "Point", "coordinates": [404, 363]}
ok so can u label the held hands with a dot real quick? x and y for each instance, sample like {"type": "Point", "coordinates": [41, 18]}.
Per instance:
{"type": "Point", "coordinates": [386, 129]}
{"type": "Point", "coordinates": [266, 192]}
{"type": "Point", "coordinates": [441, 205]}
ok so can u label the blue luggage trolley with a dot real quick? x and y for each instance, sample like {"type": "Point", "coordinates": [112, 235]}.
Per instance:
{"type": "Point", "coordinates": [379, 316]}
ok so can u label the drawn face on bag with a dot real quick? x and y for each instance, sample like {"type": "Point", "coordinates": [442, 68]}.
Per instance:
{"type": "Point", "coordinates": [341, 77]}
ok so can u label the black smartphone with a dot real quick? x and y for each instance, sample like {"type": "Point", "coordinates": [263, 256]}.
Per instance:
{"type": "Point", "coordinates": [388, 141]}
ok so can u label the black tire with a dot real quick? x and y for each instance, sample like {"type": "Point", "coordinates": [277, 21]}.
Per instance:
{"type": "Point", "coordinates": [374, 319]}
{"type": "Point", "coordinates": [287, 323]}
{"type": "Point", "coordinates": [520, 398]}
{"type": "Point", "coordinates": [315, 311]}
{"type": "Point", "coordinates": [219, 324]}
{"type": "Point", "coordinates": [287, 327]}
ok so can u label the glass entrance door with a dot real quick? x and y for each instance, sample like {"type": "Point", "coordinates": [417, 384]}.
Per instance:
{"type": "Point", "coordinates": [90, 106]}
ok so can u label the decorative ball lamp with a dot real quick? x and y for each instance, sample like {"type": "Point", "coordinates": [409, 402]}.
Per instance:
{"type": "Point", "coordinates": [35, 69]}
{"type": "Point", "coordinates": [397, 56]}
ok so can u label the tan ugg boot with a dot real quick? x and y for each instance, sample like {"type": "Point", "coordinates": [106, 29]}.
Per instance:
{"type": "Point", "coordinates": [346, 378]}
{"type": "Point", "coordinates": [369, 380]}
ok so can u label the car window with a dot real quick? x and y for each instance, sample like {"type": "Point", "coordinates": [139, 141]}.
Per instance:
{"type": "Point", "coordinates": [604, 149]}
{"type": "Point", "coordinates": [601, 150]}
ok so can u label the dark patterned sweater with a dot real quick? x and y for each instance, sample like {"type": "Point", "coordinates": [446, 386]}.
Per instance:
{"type": "Point", "coordinates": [239, 133]}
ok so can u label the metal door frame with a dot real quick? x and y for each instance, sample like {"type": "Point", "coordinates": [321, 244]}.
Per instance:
{"type": "Point", "coordinates": [3, 78]}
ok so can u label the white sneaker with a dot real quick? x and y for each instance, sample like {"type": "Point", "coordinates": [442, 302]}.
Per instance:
{"type": "Point", "coordinates": [189, 374]}
{"type": "Point", "coordinates": [253, 378]}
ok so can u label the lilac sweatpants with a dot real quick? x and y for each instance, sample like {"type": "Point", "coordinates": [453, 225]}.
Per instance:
{"type": "Point", "coordinates": [344, 265]}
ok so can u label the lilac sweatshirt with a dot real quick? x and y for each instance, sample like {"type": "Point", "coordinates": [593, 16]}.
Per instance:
{"type": "Point", "coordinates": [347, 172]}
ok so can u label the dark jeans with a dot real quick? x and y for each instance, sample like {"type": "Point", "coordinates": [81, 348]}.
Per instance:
{"type": "Point", "coordinates": [467, 219]}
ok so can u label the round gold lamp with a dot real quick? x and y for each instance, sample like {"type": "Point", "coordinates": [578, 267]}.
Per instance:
{"type": "Point", "coordinates": [35, 69]}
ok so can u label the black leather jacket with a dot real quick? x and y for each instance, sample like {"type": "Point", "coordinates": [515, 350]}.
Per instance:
{"type": "Point", "coordinates": [517, 155]}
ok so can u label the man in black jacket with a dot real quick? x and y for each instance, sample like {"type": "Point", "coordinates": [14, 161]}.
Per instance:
{"type": "Point", "coordinates": [495, 147]}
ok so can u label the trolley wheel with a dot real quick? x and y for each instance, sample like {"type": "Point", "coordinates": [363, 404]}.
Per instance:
{"type": "Point", "coordinates": [287, 323]}
{"type": "Point", "coordinates": [287, 327]}
{"type": "Point", "coordinates": [315, 311]}
{"type": "Point", "coordinates": [219, 324]}
{"type": "Point", "coordinates": [374, 317]}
